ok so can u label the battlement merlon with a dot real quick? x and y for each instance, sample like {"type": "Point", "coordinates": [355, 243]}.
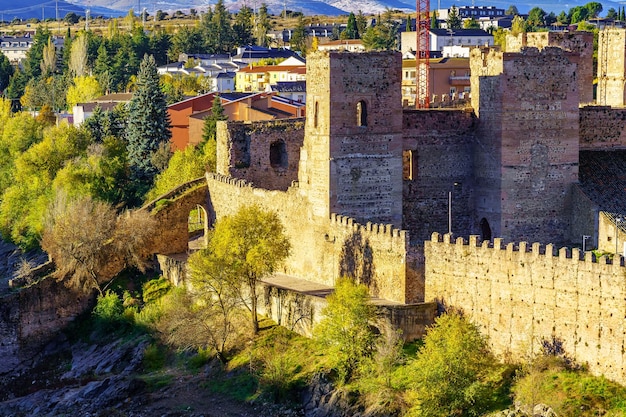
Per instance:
{"type": "Point", "coordinates": [522, 249]}
{"type": "Point", "coordinates": [370, 229]}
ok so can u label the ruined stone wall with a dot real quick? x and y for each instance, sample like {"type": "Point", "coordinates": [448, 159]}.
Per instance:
{"type": "Point", "coordinates": [602, 128]}
{"type": "Point", "coordinates": [520, 296]}
{"type": "Point", "coordinates": [265, 153]}
{"type": "Point", "coordinates": [352, 155]}
{"type": "Point", "coordinates": [580, 43]}
{"type": "Point", "coordinates": [612, 67]}
{"type": "Point", "coordinates": [437, 155]}
{"type": "Point", "coordinates": [526, 158]}
{"type": "Point", "coordinates": [325, 249]}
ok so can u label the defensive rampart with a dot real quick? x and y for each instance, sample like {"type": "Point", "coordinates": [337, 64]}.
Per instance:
{"type": "Point", "coordinates": [602, 128]}
{"type": "Point", "coordinates": [520, 295]}
{"type": "Point", "coordinates": [325, 249]}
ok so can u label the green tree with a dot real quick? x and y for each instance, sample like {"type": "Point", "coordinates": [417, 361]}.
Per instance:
{"type": "Point", "coordinates": [263, 26]}
{"type": "Point", "coordinates": [187, 40]}
{"type": "Point", "coordinates": [578, 14]}
{"type": "Point", "coordinates": [471, 23]}
{"type": "Point", "coordinates": [594, 8]}
{"type": "Point", "coordinates": [84, 89]}
{"type": "Point", "coordinates": [361, 23]}
{"type": "Point", "coordinates": [512, 11]}
{"type": "Point", "coordinates": [454, 21]}
{"type": "Point", "coordinates": [345, 329]}
{"type": "Point", "coordinates": [243, 28]}
{"type": "Point", "coordinates": [612, 14]}
{"type": "Point", "coordinates": [6, 71]}
{"type": "Point", "coordinates": [250, 244]}
{"type": "Point", "coordinates": [34, 56]}
{"type": "Point", "coordinates": [217, 31]}
{"type": "Point", "coordinates": [78, 56]}
{"type": "Point", "coordinates": [562, 18]}
{"type": "Point", "coordinates": [352, 31]}
{"type": "Point", "coordinates": [298, 37]}
{"type": "Point", "coordinates": [518, 26]}
{"type": "Point", "coordinates": [185, 165]}
{"type": "Point", "coordinates": [209, 132]}
{"type": "Point", "coordinates": [434, 21]}
{"type": "Point", "coordinates": [148, 125]}
{"type": "Point", "coordinates": [454, 373]}
{"type": "Point", "coordinates": [536, 17]}
{"type": "Point", "coordinates": [383, 36]}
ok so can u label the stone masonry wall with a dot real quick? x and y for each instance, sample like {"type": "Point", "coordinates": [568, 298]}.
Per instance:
{"type": "Point", "coordinates": [580, 43]}
{"type": "Point", "coordinates": [602, 128]}
{"type": "Point", "coordinates": [325, 249]}
{"type": "Point", "coordinates": [521, 295]}
{"type": "Point", "coordinates": [264, 153]}
{"type": "Point", "coordinates": [352, 155]}
{"type": "Point", "coordinates": [438, 154]}
{"type": "Point", "coordinates": [526, 158]}
{"type": "Point", "coordinates": [611, 67]}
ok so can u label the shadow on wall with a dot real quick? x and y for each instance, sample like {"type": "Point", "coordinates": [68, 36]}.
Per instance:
{"type": "Point", "coordinates": [357, 261]}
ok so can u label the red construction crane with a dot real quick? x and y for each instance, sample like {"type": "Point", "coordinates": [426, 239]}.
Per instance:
{"type": "Point", "coordinates": [422, 56]}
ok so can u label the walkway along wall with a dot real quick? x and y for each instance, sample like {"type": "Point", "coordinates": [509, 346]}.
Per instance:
{"type": "Point", "coordinates": [521, 296]}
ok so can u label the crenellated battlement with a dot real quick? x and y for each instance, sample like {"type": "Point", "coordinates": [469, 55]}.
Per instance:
{"type": "Point", "coordinates": [378, 229]}
{"type": "Point", "coordinates": [535, 249]}
{"type": "Point", "coordinates": [237, 182]}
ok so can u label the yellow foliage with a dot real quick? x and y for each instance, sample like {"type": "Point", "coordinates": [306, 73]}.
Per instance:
{"type": "Point", "coordinates": [84, 89]}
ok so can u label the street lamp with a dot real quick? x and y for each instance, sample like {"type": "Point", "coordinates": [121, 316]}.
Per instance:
{"type": "Point", "coordinates": [585, 237]}
{"type": "Point", "coordinates": [618, 220]}
{"type": "Point", "coordinates": [450, 209]}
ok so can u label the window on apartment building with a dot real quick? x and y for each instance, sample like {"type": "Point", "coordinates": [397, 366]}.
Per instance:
{"type": "Point", "coordinates": [278, 155]}
{"type": "Point", "coordinates": [361, 113]}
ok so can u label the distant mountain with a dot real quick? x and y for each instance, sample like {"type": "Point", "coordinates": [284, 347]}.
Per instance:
{"type": "Point", "coordinates": [47, 8]}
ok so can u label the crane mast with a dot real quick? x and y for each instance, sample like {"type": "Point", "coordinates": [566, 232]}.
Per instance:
{"type": "Point", "coordinates": [422, 56]}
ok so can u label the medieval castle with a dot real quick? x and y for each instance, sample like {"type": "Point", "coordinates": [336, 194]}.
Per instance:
{"type": "Point", "coordinates": [430, 206]}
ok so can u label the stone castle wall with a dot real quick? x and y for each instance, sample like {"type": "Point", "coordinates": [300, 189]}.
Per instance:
{"type": "Point", "coordinates": [325, 249]}
{"type": "Point", "coordinates": [580, 43]}
{"type": "Point", "coordinates": [352, 155]}
{"type": "Point", "coordinates": [264, 153]}
{"type": "Point", "coordinates": [611, 67]}
{"type": "Point", "coordinates": [437, 155]}
{"type": "Point", "coordinates": [521, 295]}
{"type": "Point", "coordinates": [602, 128]}
{"type": "Point", "coordinates": [526, 153]}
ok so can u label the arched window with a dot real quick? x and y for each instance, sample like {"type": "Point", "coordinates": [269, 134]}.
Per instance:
{"type": "Point", "coordinates": [278, 155]}
{"type": "Point", "coordinates": [485, 229]}
{"type": "Point", "coordinates": [361, 113]}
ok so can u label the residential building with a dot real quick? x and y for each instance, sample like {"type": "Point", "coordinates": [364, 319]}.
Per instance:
{"type": "Point", "coordinates": [449, 80]}
{"type": "Point", "coordinates": [291, 90]}
{"type": "Point", "coordinates": [471, 12]}
{"type": "Point", "coordinates": [252, 54]}
{"type": "Point", "coordinates": [83, 111]}
{"type": "Point", "coordinates": [444, 37]}
{"type": "Point", "coordinates": [258, 78]}
{"type": "Point", "coordinates": [350, 45]}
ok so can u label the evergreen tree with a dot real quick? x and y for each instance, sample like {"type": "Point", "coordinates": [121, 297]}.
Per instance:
{"type": "Point", "coordinates": [34, 56]}
{"type": "Point", "coordinates": [361, 23]}
{"type": "Point", "coordinates": [148, 126]}
{"type": "Point", "coordinates": [453, 21]}
{"type": "Point", "coordinates": [6, 71]}
{"type": "Point", "coordinates": [217, 31]}
{"type": "Point", "coordinates": [434, 21]}
{"type": "Point", "coordinates": [383, 36]}
{"type": "Point", "coordinates": [242, 28]}
{"type": "Point", "coordinates": [351, 32]}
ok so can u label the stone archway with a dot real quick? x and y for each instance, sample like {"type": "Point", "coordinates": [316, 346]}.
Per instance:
{"type": "Point", "coordinates": [198, 226]}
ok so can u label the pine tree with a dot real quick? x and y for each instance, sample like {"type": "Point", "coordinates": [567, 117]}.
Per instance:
{"type": "Point", "coordinates": [454, 21]}
{"type": "Point", "coordinates": [148, 125]}
{"type": "Point", "coordinates": [263, 26]}
{"type": "Point", "coordinates": [351, 32]}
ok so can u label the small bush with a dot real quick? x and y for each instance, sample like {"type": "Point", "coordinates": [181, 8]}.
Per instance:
{"type": "Point", "coordinates": [153, 357]}
{"type": "Point", "coordinates": [155, 289]}
{"type": "Point", "coordinates": [108, 312]}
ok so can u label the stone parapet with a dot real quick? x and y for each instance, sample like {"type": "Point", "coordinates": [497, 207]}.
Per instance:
{"type": "Point", "coordinates": [524, 293]}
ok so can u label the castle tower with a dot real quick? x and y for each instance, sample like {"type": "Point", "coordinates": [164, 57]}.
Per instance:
{"type": "Point", "coordinates": [580, 43]}
{"type": "Point", "coordinates": [351, 159]}
{"type": "Point", "coordinates": [526, 156]}
{"type": "Point", "coordinates": [612, 67]}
